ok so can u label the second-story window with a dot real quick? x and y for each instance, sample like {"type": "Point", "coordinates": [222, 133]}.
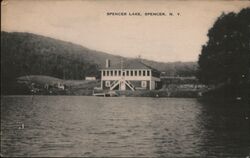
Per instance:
{"type": "Point", "coordinates": [111, 73]}
{"type": "Point", "coordinates": [115, 72]}
{"type": "Point", "coordinates": [135, 72]}
{"type": "Point", "coordinates": [127, 73]}
{"type": "Point", "coordinates": [103, 73]}
{"type": "Point", "coordinates": [119, 73]}
{"type": "Point", "coordinates": [148, 73]}
{"type": "Point", "coordinates": [144, 72]}
{"type": "Point", "coordinates": [139, 72]}
{"type": "Point", "coordinates": [107, 73]}
{"type": "Point", "coordinates": [132, 73]}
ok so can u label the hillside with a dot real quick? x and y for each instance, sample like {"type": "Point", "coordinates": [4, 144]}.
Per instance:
{"type": "Point", "coordinates": [29, 54]}
{"type": "Point", "coordinates": [174, 68]}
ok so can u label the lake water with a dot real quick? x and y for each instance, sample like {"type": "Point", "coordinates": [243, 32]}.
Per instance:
{"type": "Point", "coordinates": [92, 126]}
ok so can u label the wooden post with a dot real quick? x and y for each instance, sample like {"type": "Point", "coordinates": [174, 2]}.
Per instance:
{"type": "Point", "coordinates": [150, 84]}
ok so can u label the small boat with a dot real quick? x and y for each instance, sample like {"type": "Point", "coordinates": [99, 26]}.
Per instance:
{"type": "Point", "coordinates": [106, 94]}
{"type": "Point", "coordinates": [99, 94]}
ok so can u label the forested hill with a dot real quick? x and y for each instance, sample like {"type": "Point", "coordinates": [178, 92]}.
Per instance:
{"type": "Point", "coordinates": [30, 54]}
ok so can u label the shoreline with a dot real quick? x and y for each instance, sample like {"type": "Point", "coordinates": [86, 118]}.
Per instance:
{"type": "Point", "coordinates": [139, 93]}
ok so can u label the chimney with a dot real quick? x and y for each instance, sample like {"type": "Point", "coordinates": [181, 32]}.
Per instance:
{"type": "Point", "coordinates": [107, 63]}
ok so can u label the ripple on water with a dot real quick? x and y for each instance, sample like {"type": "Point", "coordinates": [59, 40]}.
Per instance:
{"type": "Point", "coordinates": [137, 127]}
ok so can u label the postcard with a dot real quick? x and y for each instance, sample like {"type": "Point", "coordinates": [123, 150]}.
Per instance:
{"type": "Point", "coordinates": [122, 78]}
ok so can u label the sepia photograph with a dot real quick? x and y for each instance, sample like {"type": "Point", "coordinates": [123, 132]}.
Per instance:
{"type": "Point", "coordinates": [125, 78]}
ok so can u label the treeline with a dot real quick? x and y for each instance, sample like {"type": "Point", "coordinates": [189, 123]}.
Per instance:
{"type": "Point", "coordinates": [183, 69]}
{"type": "Point", "coordinates": [31, 54]}
{"type": "Point", "coordinates": [225, 58]}
{"type": "Point", "coordinates": [28, 54]}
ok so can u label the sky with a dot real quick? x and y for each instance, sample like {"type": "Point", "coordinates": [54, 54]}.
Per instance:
{"type": "Point", "coordinates": [85, 22]}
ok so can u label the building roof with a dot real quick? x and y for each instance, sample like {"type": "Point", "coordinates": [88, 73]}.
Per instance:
{"type": "Point", "coordinates": [129, 64]}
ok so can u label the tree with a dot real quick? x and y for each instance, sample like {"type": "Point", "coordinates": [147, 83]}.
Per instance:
{"type": "Point", "coordinates": [225, 58]}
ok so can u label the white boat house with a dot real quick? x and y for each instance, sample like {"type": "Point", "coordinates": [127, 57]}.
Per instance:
{"type": "Point", "coordinates": [129, 75]}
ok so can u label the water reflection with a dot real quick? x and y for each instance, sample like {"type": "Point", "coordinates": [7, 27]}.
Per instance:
{"type": "Point", "coordinates": [178, 121]}
{"type": "Point", "coordinates": [225, 129]}
{"type": "Point", "coordinates": [153, 127]}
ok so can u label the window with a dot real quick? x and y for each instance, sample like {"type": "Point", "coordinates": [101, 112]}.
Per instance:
{"type": "Point", "coordinates": [139, 72]}
{"type": "Point", "coordinates": [107, 73]}
{"type": "Point", "coordinates": [144, 72]}
{"type": "Point", "coordinates": [144, 84]}
{"type": "Point", "coordinates": [123, 73]}
{"type": "Point", "coordinates": [132, 73]}
{"type": "Point", "coordinates": [103, 73]}
{"type": "Point", "coordinates": [107, 83]}
{"type": "Point", "coordinates": [148, 73]}
{"type": "Point", "coordinates": [127, 73]}
{"type": "Point", "coordinates": [115, 72]}
{"type": "Point", "coordinates": [135, 72]}
{"type": "Point", "coordinates": [119, 72]}
{"type": "Point", "coordinates": [111, 73]}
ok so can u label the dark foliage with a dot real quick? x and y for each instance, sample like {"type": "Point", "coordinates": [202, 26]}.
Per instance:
{"type": "Point", "coordinates": [30, 54]}
{"type": "Point", "coordinates": [226, 56]}
{"type": "Point", "coordinates": [26, 54]}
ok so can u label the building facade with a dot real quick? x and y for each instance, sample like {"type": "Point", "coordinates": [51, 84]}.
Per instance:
{"type": "Point", "coordinates": [129, 75]}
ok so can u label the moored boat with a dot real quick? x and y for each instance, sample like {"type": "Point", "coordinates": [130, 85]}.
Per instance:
{"type": "Point", "coordinates": [105, 94]}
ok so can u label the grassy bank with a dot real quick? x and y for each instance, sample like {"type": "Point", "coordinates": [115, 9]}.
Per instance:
{"type": "Point", "coordinates": [46, 85]}
{"type": "Point", "coordinates": [159, 93]}
{"type": "Point", "coordinates": [145, 93]}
